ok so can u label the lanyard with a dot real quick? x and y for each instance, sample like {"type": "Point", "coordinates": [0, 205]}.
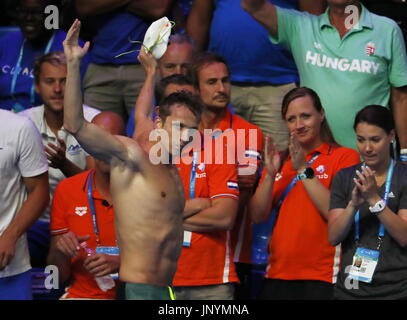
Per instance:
{"type": "Point", "coordinates": [92, 208]}
{"type": "Point", "coordinates": [193, 176]}
{"type": "Point", "coordinates": [386, 197]}
{"type": "Point", "coordinates": [18, 67]}
{"type": "Point", "coordinates": [193, 169]}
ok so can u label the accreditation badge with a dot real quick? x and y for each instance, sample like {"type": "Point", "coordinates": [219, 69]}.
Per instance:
{"type": "Point", "coordinates": [114, 251]}
{"type": "Point", "coordinates": [187, 239]}
{"type": "Point", "coordinates": [364, 264]}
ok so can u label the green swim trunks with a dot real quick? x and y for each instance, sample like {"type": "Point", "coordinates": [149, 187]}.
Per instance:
{"type": "Point", "coordinates": [142, 291]}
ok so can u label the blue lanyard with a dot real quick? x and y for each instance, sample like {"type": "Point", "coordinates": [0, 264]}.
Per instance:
{"type": "Point", "coordinates": [193, 176]}
{"type": "Point", "coordinates": [385, 198]}
{"type": "Point", "coordinates": [18, 67]}
{"type": "Point", "coordinates": [293, 182]}
{"type": "Point", "coordinates": [92, 207]}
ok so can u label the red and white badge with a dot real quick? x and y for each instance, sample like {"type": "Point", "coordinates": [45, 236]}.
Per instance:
{"type": "Point", "coordinates": [370, 48]}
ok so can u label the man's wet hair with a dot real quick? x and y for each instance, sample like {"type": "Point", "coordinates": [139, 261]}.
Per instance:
{"type": "Point", "coordinates": [178, 79]}
{"type": "Point", "coordinates": [185, 98]}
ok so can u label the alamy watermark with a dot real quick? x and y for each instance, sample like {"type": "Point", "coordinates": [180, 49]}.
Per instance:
{"type": "Point", "coordinates": [52, 20]}
{"type": "Point", "coordinates": [212, 147]}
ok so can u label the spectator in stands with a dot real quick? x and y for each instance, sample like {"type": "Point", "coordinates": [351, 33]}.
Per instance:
{"type": "Point", "coordinates": [368, 214]}
{"type": "Point", "coordinates": [216, 278]}
{"type": "Point", "coordinates": [76, 217]}
{"type": "Point", "coordinates": [302, 264]}
{"type": "Point", "coordinates": [178, 56]}
{"type": "Point", "coordinates": [176, 60]}
{"type": "Point", "coordinates": [351, 59]}
{"type": "Point", "coordinates": [261, 72]}
{"type": "Point", "coordinates": [65, 156]}
{"type": "Point", "coordinates": [24, 194]}
{"type": "Point", "coordinates": [18, 51]}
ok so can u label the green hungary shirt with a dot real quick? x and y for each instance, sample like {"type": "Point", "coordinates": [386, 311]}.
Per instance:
{"type": "Point", "coordinates": [349, 73]}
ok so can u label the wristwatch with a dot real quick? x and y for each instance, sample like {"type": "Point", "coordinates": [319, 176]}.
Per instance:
{"type": "Point", "coordinates": [378, 207]}
{"type": "Point", "coordinates": [308, 173]}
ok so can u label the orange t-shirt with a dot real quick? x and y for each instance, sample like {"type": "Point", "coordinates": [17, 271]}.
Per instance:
{"type": "Point", "coordinates": [209, 258]}
{"type": "Point", "coordinates": [241, 234]}
{"type": "Point", "coordinates": [299, 247]}
{"type": "Point", "coordinates": [71, 212]}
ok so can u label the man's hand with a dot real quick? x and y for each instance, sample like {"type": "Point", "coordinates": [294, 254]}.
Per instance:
{"type": "Point", "coordinates": [68, 243]}
{"type": "Point", "coordinates": [7, 250]}
{"type": "Point", "coordinates": [100, 264]}
{"type": "Point", "coordinates": [56, 156]}
{"type": "Point", "coordinates": [72, 49]}
{"type": "Point", "coordinates": [147, 61]}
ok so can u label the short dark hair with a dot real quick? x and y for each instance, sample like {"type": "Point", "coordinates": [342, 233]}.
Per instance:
{"type": "Point", "coordinates": [376, 115]}
{"type": "Point", "coordinates": [178, 79]}
{"type": "Point", "coordinates": [185, 98]}
{"type": "Point", "coordinates": [56, 58]}
{"type": "Point", "coordinates": [203, 59]}
{"type": "Point", "coordinates": [326, 133]}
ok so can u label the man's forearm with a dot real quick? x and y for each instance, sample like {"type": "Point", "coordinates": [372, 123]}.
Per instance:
{"type": "Point", "coordinates": [62, 262]}
{"type": "Point", "coordinates": [193, 206]}
{"type": "Point", "coordinates": [31, 210]}
{"type": "Point", "coordinates": [199, 22]}
{"type": "Point", "coordinates": [145, 100]}
{"type": "Point", "coordinates": [73, 109]}
{"type": "Point", "coordinates": [220, 216]}
{"type": "Point", "coordinates": [70, 169]}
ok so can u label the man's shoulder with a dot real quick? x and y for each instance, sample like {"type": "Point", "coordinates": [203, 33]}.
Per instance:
{"type": "Point", "coordinates": [13, 120]}
{"type": "Point", "coordinates": [382, 21]}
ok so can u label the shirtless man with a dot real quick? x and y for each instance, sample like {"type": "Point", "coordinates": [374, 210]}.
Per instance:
{"type": "Point", "coordinates": [148, 199]}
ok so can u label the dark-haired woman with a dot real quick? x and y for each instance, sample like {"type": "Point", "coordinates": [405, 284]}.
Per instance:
{"type": "Point", "coordinates": [368, 214]}
{"type": "Point", "coordinates": [302, 264]}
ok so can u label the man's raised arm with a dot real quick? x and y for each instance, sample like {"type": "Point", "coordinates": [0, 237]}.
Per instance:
{"type": "Point", "coordinates": [264, 12]}
{"type": "Point", "coordinates": [93, 139]}
{"type": "Point", "coordinates": [145, 101]}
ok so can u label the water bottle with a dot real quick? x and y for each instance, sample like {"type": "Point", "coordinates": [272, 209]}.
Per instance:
{"type": "Point", "coordinates": [104, 283]}
{"type": "Point", "coordinates": [260, 241]}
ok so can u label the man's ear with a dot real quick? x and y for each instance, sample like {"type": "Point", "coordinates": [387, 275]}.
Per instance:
{"type": "Point", "coordinates": [37, 87]}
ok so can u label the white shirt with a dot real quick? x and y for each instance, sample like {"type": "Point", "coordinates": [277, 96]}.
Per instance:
{"type": "Point", "coordinates": [21, 155]}
{"type": "Point", "coordinates": [74, 151]}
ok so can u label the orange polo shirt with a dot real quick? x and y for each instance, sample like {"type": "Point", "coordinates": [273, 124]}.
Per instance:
{"type": "Point", "coordinates": [241, 234]}
{"type": "Point", "coordinates": [299, 247]}
{"type": "Point", "coordinates": [71, 212]}
{"type": "Point", "coordinates": [209, 258]}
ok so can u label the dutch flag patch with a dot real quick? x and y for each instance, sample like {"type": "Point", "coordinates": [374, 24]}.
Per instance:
{"type": "Point", "coordinates": [233, 185]}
